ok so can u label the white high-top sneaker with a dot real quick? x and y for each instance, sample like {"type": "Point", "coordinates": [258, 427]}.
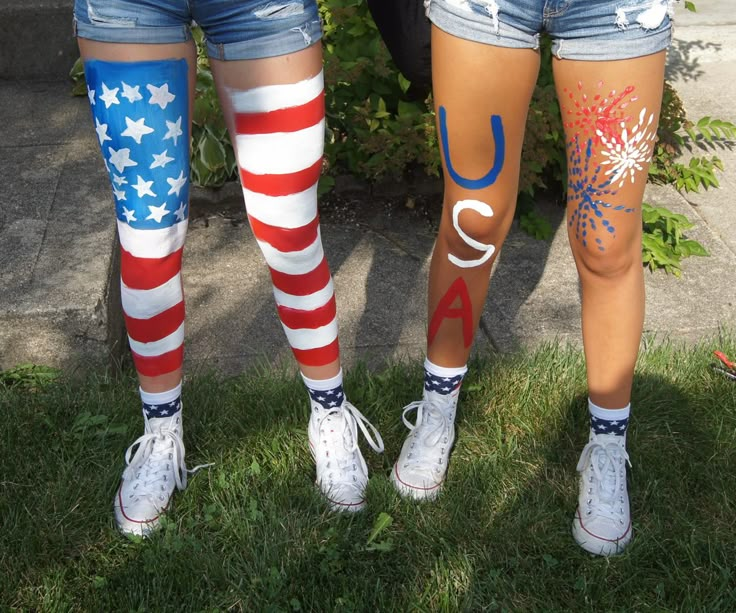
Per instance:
{"type": "Point", "coordinates": [342, 474]}
{"type": "Point", "coordinates": [602, 523]}
{"type": "Point", "coordinates": [422, 465]}
{"type": "Point", "coordinates": [152, 473]}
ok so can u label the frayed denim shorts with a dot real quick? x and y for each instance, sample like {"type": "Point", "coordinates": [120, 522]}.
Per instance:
{"type": "Point", "coordinates": [596, 30]}
{"type": "Point", "coordinates": [234, 30]}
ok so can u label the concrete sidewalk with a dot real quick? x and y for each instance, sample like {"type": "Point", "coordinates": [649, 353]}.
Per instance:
{"type": "Point", "coordinates": [58, 271]}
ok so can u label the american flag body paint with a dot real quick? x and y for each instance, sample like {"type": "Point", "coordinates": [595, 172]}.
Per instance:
{"type": "Point", "coordinates": [279, 144]}
{"type": "Point", "coordinates": [140, 110]}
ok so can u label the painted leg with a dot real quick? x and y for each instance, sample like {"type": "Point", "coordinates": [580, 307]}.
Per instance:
{"type": "Point", "coordinates": [274, 109]}
{"type": "Point", "coordinates": [141, 99]}
{"type": "Point", "coordinates": [481, 125]}
{"type": "Point", "coordinates": [610, 111]}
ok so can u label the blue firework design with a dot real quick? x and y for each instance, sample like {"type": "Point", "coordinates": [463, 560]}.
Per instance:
{"type": "Point", "coordinates": [591, 195]}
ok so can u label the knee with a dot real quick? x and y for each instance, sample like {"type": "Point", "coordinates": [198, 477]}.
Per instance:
{"type": "Point", "coordinates": [608, 259]}
{"type": "Point", "coordinates": [470, 227]}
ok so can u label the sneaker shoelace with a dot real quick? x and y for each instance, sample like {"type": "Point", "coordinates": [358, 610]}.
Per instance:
{"type": "Point", "coordinates": [158, 455]}
{"type": "Point", "coordinates": [431, 427]}
{"type": "Point", "coordinates": [606, 478]}
{"type": "Point", "coordinates": [344, 443]}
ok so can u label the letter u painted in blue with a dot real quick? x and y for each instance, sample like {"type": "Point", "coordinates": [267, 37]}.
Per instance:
{"type": "Point", "coordinates": [498, 156]}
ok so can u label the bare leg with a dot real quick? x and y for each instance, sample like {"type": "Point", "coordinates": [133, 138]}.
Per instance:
{"type": "Point", "coordinates": [608, 153]}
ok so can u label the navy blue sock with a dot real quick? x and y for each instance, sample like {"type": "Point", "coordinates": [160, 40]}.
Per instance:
{"type": "Point", "coordinates": [608, 421]}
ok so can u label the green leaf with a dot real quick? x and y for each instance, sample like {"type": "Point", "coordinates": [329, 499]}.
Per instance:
{"type": "Point", "coordinates": [383, 521]}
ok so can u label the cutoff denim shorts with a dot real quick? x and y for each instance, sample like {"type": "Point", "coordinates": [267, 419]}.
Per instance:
{"type": "Point", "coordinates": [234, 29]}
{"type": "Point", "coordinates": [596, 30]}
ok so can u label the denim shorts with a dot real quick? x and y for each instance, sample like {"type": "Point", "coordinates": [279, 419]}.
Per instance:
{"type": "Point", "coordinates": [596, 30]}
{"type": "Point", "coordinates": [234, 30]}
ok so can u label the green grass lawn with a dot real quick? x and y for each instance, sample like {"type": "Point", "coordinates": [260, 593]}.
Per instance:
{"type": "Point", "coordinates": [251, 533]}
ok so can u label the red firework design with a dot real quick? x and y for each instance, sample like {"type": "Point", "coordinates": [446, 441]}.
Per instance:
{"type": "Point", "coordinates": [597, 113]}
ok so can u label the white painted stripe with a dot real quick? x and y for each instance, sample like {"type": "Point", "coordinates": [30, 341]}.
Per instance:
{"type": "Point", "coordinates": [274, 97]}
{"type": "Point", "coordinates": [156, 348]}
{"type": "Point", "coordinates": [292, 211]}
{"type": "Point", "coordinates": [294, 262]}
{"type": "Point", "coordinates": [146, 303]}
{"type": "Point", "coordinates": [281, 153]}
{"type": "Point", "coordinates": [156, 243]}
{"type": "Point", "coordinates": [308, 302]}
{"type": "Point", "coordinates": [312, 338]}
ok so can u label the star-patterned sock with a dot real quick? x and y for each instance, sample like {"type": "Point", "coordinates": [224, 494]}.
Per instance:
{"type": "Point", "coordinates": [327, 393]}
{"type": "Point", "coordinates": [161, 404]}
{"type": "Point", "coordinates": [442, 380]}
{"type": "Point", "coordinates": [608, 421]}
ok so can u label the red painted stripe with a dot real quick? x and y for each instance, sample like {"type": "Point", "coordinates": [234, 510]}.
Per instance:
{"type": "Point", "coordinates": [147, 273]}
{"type": "Point", "coordinates": [302, 285]}
{"type": "Point", "coordinates": [285, 239]}
{"type": "Point", "coordinates": [160, 364]}
{"type": "Point", "coordinates": [318, 357]}
{"type": "Point", "coordinates": [297, 319]}
{"type": "Point", "coordinates": [157, 327]}
{"type": "Point", "coordinates": [282, 185]}
{"type": "Point", "coordinates": [282, 120]}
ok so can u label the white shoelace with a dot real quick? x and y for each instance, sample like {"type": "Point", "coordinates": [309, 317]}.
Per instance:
{"type": "Point", "coordinates": [608, 479]}
{"type": "Point", "coordinates": [347, 439]}
{"type": "Point", "coordinates": [431, 418]}
{"type": "Point", "coordinates": [158, 455]}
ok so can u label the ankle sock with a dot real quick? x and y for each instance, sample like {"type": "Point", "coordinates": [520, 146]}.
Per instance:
{"type": "Point", "coordinates": [161, 404]}
{"type": "Point", "coordinates": [442, 380]}
{"type": "Point", "coordinates": [608, 421]}
{"type": "Point", "coordinates": [327, 393]}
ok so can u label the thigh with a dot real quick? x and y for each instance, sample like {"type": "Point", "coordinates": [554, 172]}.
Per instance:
{"type": "Point", "coordinates": [481, 95]}
{"type": "Point", "coordinates": [610, 111]}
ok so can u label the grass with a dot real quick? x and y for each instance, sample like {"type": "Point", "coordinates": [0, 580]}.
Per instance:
{"type": "Point", "coordinates": [251, 533]}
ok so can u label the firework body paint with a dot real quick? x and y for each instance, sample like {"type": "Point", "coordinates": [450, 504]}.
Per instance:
{"type": "Point", "coordinates": [606, 134]}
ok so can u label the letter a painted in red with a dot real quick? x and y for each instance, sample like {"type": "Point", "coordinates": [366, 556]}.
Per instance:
{"type": "Point", "coordinates": [445, 310]}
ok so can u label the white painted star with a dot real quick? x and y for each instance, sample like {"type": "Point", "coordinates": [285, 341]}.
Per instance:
{"type": "Point", "coordinates": [121, 158]}
{"type": "Point", "coordinates": [329, 392]}
{"type": "Point", "coordinates": [101, 129]}
{"type": "Point", "coordinates": [173, 404]}
{"type": "Point", "coordinates": [446, 389]}
{"type": "Point", "coordinates": [158, 212]}
{"type": "Point", "coordinates": [91, 96]}
{"type": "Point", "coordinates": [119, 180]}
{"type": "Point", "coordinates": [161, 159]}
{"type": "Point", "coordinates": [143, 188]}
{"type": "Point", "coordinates": [321, 398]}
{"type": "Point", "coordinates": [160, 95]}
{"type": "Point", "coordinates": [109, 96]}
{"type": "Point", "coordinates": [174, 130]}
{"type": "Point", "coordinates": [153, 407]}
{"type": "Point", "coordinates": [180, 212]}
{"type": "Point", "coordinates": [333, 403]}
{"type": "Point", "coordinates": [136, 129]}
{"type": "Point", "coordinates": [129, 215]}
{"type": "Point", "coordinates": [119, 194]}
{"type": "Point", "coordinates": [176, 184]}
{"type": "Point", "coordinates": [622, 427]}
{"type": "Point", "coordinates": [614, 423]}
{"type": "Point", "coordinates": [163, 412]}
{"type": "Point", "coordinates": [131, 93]}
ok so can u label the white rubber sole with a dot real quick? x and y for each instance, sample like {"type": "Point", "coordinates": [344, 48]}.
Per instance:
{"type": "Point", "coordinates": [597, 545]}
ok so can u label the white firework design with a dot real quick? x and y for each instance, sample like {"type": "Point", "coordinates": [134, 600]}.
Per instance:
{"type": "Point", "coordinates": [626, 153]}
